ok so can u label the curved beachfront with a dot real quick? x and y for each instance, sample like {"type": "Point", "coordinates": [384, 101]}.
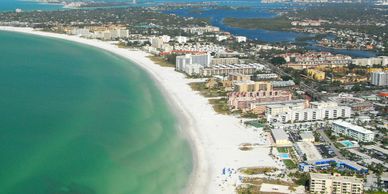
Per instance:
{"type": "Point", "coordinates": [214, 138]}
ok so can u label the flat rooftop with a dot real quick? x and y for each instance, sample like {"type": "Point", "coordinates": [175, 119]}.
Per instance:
{"type": "Point", "coordinates": [272, 188]}
{"type": "Point", "coordinates": [307, 135]}
{"type": "Point", "coordinates": [279, 134]}
{"type": "Point", "coordinates": [336, 177]}
{"type": "Point", "coordinates": [352, 127]}
{"type": "Point", "coordinates": [310, 150]}
{"type": "Point", "coordinates": [377, 148]}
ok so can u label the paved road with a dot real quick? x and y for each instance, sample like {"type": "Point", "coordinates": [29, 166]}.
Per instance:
{"type": "Point", "coordinates": [307, 88]}
{"type": "Point", "coordinates": [327, 139]}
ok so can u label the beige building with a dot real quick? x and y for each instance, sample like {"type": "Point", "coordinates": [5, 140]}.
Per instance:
{"type": "Point", "coordinates": [224, 61]}
{"type": "Point", "coordinates": [238, 77]}
{"type": "Point", "coordinates": [251, 86]}
{"type": "Point", "coordinates": [335, 184]}
{"type": "Point", "coordinates": [243, 100]}
{"type": "Point", "coordinates": [280, 138]}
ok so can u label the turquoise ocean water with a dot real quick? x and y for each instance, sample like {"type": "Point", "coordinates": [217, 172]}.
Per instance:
{"type": "Point", "coordinates": [75, 119]}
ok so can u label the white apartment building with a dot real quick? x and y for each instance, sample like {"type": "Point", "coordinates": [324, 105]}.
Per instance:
{"type": "Point", "coordinates": [283, 107]}
{"type": "Point", "coordinates": [193, 69]}
{"type": "Point", "coordinates": [316, 112]}
{"type": "Point", "coordinates": [107, 35]}
{"type": "Point", "coordinates": [157, 42]}
{"type": "Point", "coordinates": [335, 184]}
{"type": "Point", "coordinates": [123, 33]}
{"type": "Point", "coordinates": [201, 30]}
{"type": "Point", "coordinates": [379, 78]}
{"type": "Point", "coordinates": [165, 38]}
{"type": "Point", "coordinates": [84, 32]}
{"type": "Point", "coordinates": [267, 76]}
{"type": "Point", "coordinates": [241, 38]}
{"type": "Point", "coordinates": [200, 47]}
{"type": "Point", "coordinates": [246, 69]}
{"type": "Point", "coordinates": [181, 39]}
{"type": "Point", "coordinates": [221, 38]}
{"type": "Point", "coordinates": [380, 60]}
{"type": "Point", "coordinates": [188, 62]}
{"type": "Point", "coordinates": [356, 132]}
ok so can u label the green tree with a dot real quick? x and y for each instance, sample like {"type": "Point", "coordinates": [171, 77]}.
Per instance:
{"type": "Point", "coordinates": [278, 61]}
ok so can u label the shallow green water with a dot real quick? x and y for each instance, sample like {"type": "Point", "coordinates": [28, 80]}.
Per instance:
{"type": "Point", "coordinates": [74, 119]}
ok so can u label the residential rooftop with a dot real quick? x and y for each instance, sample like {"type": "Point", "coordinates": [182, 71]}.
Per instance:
{"type": "Point", "coordinates": [353, 127]}
{"type": "Point", "coordinates": [336, 177]}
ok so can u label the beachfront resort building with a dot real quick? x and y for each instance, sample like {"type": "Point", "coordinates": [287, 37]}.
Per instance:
{"type": "Point", "coordinates": [280, 138]}
{"type": "Point", "coordinates": [100, 32]}
{"type": "Point", "coordinates": [244, 100]}
{"type": "Point", "coordinates": [379, 78]}
{"type": "Point", "coordinates": [282, 107]}
{"type": "Point", "coordinates": [246, 69]}
{"type": "Point", "coordinates": [317, 111]}
{"type": "Point", "coordinates": [193, 64]}
{"type": "Point", "coordinates": [335, 184]}
{"type": "Point", "coordinates": [262, 107]}
{"type": "Point", "coordinates": [356, 132]}
{"type": "Point", "coordinates": [201, 64]}
{"type": "Point", "coordinates": [252, 86]}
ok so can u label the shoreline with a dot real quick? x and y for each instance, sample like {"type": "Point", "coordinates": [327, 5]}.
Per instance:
{"type": "Point", "coordinates": [214, 139]}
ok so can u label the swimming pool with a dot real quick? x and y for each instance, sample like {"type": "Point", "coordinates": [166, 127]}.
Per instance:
{"type": "Point", "coordinates": [347, 143]}
{"type": "Point", "coordinates": [284, 156]}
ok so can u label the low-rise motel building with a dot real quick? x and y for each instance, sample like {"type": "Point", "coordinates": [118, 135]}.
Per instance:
{"type": "Point", "coordinates": [335, 184]}
{"type": "Point", "coordinates": [356, 132]}
{"type": "Point", "coordinates": [280, 138]}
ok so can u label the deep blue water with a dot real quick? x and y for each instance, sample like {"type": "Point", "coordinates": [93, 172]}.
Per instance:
{"type": "Point", "coordinates": [217, 15]}
{"type": "Point", "coordinates": [352, 53]}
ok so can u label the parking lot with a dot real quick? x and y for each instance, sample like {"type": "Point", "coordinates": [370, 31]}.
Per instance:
{"type": "Point", "coordinates": [325, 151]}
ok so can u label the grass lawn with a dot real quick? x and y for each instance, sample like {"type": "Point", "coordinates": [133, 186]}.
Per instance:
{"type": "Point", "coordinates": [255, 123]}
{"type": "Point", "coordinates": [220, 105]}
{"type": "Point", "coordinates": [289, 164]}
{"type": "Point", "coordinates": [339, 145]}
{"type": "Point", "coordinates": [207, 92]}
{"type": "Point", "coordinates": [260, 170]}
{"type": "Point", "coordinates": [282, 150]}
{"type": "Point", "coordinates": [160, 61]}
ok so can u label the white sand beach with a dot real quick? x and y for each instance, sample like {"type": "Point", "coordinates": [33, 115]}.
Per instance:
{"type": "Point", "coordinates": [215, 138]}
